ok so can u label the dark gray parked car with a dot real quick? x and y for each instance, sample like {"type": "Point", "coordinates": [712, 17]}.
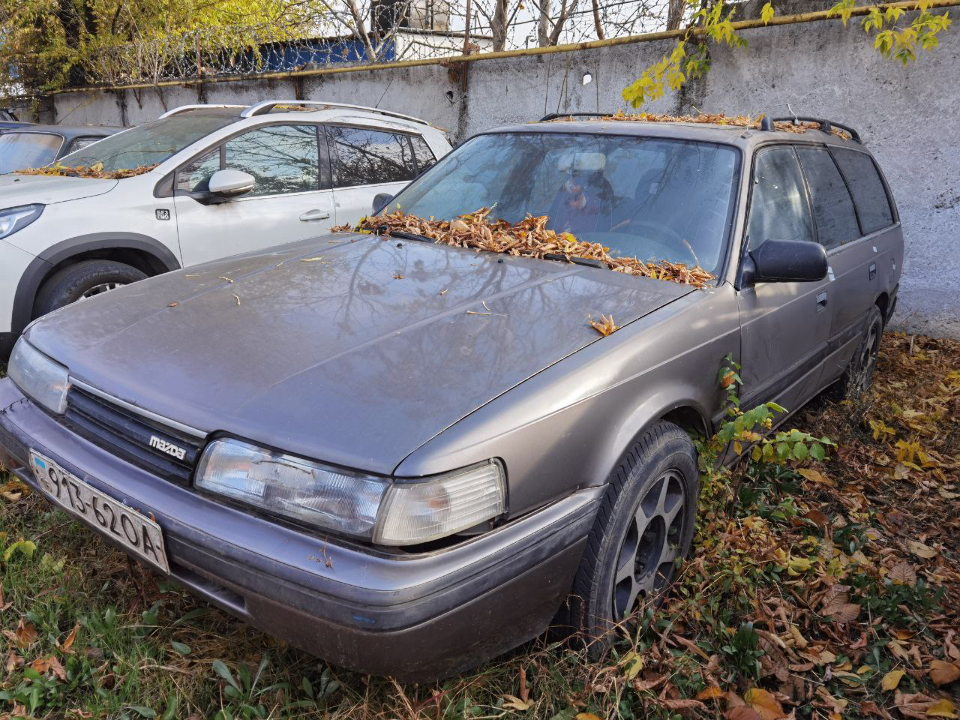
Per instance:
{"type": "Point", "coordinates": [34, 146]}
{"type": "Point", "coordinates": [403, 456]}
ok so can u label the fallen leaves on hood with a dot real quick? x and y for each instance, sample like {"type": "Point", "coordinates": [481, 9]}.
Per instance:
{"type": "Point", "coordinates": [605, 326]}
{"type": "Point", "coordinates": [528, 238]}
{"type": "Point", "coordinates": [95, 172]}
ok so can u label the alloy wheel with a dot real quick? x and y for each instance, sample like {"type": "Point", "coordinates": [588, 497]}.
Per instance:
{"type": "Point", "coordinates": [100, 289]}
{"type": "Point", "coordinates": [646, 561]}
{"type": "Point", "coordinates": [867, 362]}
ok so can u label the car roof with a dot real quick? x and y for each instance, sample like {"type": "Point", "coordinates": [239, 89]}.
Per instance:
{"type": "Point", "coordinates": [740, 135]}
{"type": "Point", "coordinates": [302, 109]}
{"type": "Point", "coordinates": [69, 131]}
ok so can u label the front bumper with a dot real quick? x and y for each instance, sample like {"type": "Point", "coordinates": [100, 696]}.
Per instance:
{"type": "Point", "coordinates": [417, 617]}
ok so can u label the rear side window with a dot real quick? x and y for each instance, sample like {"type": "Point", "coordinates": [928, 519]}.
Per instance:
{"type": "Point", "coordinates": [370, 157]}
{"type": "Point", "coordinates": [81, 142]}
{"type": "Point", "coordinates": [422, 152]}
{"type": "Point", "coordinates": [778, 205]}
{"type": "Point", "coordinates": [867, 188]}
{"type": "Point", "coordinates": [832, 205]}
{"type": "Point", "coordinates": [281, 158]}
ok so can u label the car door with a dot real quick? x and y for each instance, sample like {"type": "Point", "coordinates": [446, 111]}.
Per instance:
{"type": "Point", "coordinates": [291, 199]}
{"type": "Point", "coordinates": [860, 250]}
{"type": "Point", "coordinates": [367, 162]}
{"type": "Point", "coordinates": [784, 325]}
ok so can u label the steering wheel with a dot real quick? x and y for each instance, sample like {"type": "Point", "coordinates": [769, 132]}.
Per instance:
{"type": "Point", "coordinates": [660, 229]}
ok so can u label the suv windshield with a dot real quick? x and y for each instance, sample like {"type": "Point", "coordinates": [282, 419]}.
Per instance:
{"type": "Point", "coordinates": [147, 144]}
{"type": "Point", "coordinates": [650, 198]}
{"type": "Point", "coordinates": [19, 150]}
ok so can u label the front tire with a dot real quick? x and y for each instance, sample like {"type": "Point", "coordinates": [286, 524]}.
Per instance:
{"type": "Point", "coordinates": [858, 376]}
{"type": "Point", "coordinates": [83, 280]}
{"type": "Point", "coordinates": [645, 523]}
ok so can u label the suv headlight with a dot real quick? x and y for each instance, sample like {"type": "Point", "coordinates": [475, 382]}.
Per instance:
{"type": "Point", "coordinates": [39, 377]}
{"type": "Point", "coordinates": [17, 218]}
{"type": "Point", "coordinates": [372, 508]}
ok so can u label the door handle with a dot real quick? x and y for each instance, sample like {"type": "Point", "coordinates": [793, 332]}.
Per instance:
{"type": "Point", "coordinates": [314, 216]}
{"type": "Point", "coordinates": [821, 302]}
{"type": "Point", "coordinates": [873, 270]}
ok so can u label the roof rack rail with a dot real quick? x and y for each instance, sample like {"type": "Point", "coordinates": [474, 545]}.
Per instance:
{"type": "Point", "coordinates": [187, 108]}
{"type": "Point", "coordinates": [262, 108]}
{"type": "Point", "coordinates": [554, 116]}
{"type": "Point", "coordinates": [825, 125]}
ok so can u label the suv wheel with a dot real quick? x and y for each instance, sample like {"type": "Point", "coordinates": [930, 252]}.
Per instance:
{"type": "Point", "coordinates": [644, 525]}
{"type": "Point", "coordinates": [81, 281]}
{"type": "Point", "coordinates": [859, 373]}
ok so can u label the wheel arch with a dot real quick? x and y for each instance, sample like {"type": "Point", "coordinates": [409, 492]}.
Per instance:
{"type": "Point", "coordinates": [141, 251]}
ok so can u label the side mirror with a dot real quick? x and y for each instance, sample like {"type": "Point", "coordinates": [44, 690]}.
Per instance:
{"type": "Point", "coordinates": [380, 201]}
{"type": "Point", "coordinates": [785, 261]}
{"type": "Point", "coordinates": [227, 184]}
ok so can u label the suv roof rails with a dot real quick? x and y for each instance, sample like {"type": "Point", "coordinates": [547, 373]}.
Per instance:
{"type": "Point", "coordinates": [187, 108]}
{"type": "Point", "coordinates": [826, 126]}
{"type": "Point", "coordinates": [554, 116]}
{"type": "Point", "coordinates": [263, 108]}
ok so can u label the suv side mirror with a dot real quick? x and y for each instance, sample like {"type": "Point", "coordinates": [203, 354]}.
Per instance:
{"type": "Point", "coordinates": [227, 184]}
{"type": "Point", "coordinates": [380, 201]}
{"type": "Point", "coordinates": [785, 261]}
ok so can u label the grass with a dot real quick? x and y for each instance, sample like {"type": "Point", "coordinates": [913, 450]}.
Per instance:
{"type": "Point", "coordinates": [821, 589]}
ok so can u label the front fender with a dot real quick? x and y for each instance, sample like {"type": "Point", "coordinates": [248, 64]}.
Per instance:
{"type": "Point", "coordinates": [567, 427]}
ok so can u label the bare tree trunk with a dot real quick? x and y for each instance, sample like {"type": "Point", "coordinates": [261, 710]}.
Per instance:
{"type": "Point", "coordinates": [675, 14]}
{"type": "Point", "coordinates": [543, 29]}
{"type": "Point", "coordinates": [596, 19]}
{"type": "Point", "coordinates": [565, 12]}
{"type": "Point", "coordinates": [498, 25]}
{"type": "Point", "coordinates": [360, 30]}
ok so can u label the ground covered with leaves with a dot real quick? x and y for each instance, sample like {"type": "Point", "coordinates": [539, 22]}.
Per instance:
{"type": "Point", "coordinates": [816, 589]}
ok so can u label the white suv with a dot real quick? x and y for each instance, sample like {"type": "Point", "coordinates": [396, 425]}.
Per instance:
{"type": "Point", "coordinates": [207, 181]}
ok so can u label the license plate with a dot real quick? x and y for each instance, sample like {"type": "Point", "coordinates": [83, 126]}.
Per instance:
{"type": "Point", "coordinates": [139, 535]}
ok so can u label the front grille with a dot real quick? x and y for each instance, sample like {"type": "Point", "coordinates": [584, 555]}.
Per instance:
{"type": "Point", "coordinates": [128, 436]}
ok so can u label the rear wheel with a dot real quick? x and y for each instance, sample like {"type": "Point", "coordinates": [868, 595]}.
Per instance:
{"type": "Point", "coordinates": [644, 525]}
{"type": "Point", "coordinates": [85, 279]}
{"type": "Point", "coordinates": [858, 376]}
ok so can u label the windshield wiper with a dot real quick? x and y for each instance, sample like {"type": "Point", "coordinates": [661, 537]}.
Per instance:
{"type": "Point", "coordinates": [403, 235]}
{"type": "Point", "coordinates": [589, 262]}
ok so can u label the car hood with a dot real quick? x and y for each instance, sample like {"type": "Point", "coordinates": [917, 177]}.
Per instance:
{"type": "Point", "coordinates": [17, 189]}
{"type": "Point", "coordinates": [349, 349]}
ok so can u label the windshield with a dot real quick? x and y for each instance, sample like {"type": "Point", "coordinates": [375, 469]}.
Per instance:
{"type": "Point", "coordinates": [149, 144]}
{"type": "Point", "coordinates": [649, 198]}
{"type": "Point", "coordinates": [27, 150]}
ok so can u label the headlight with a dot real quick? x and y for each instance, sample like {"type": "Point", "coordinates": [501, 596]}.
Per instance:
{"type": "Point", "coordinates": [39, 377]}
{"type": "Point", "coordinates": [388, 513]}
{"type": "Point", "coordinates": [14, 219]}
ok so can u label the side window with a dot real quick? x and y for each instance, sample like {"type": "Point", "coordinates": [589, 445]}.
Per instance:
{"type": "Point", "coordinates": [370, 157]}
{"type": "Point", "coordinates": [281, 158]}
{"type": "Point", "coordinates": [832, 204]}
{"type": "Point", "coordinates": [193, 176]}
{"type": "Point", "coordinates": [778, 204]}
{"type": "Point", "coordinates": [422, 152]}
{"type": "Point", "coordinates": [867, 188]}
{"type": "Point", "coordinates": [82, 142]}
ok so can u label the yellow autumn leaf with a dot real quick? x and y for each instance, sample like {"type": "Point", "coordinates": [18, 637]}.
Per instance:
{"type": "Point", "coordinates": [711, 693]}
{"type": "Point", "coordinates": [943, 673]}
{"type": "Point", "coordinates": [767, 13]}
{"type": "Point", "coordinates": [891, 680]}
{"type": "Point", "coordinates": [943, 708]}
{"type": "Point", "coordinates": [515, 703]}
{"type": "Point", "coordinates": [634, 663]}
{"type": "Point", "coordinates": [586, 716]}
{"type": "Point", "coordinates": [764, 704]}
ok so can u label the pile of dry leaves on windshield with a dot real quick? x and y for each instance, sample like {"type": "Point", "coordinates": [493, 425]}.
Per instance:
{"type": "Point", "coordinates": [528, 238]}
{"type": "Point", "coordinates": [93, 171]}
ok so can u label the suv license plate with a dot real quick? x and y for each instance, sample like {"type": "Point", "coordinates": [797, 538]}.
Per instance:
{"type": "Point", "coordinates": [138, 535]}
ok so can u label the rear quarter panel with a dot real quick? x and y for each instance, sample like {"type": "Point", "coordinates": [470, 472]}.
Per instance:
{"type": "Point", "coordinates": [567, 427]}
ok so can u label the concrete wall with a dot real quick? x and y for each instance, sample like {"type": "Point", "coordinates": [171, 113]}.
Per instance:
{"type": "Point", "coordinates": [907, 116]}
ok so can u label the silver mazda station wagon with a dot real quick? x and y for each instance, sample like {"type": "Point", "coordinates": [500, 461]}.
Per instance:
{"type": "Point", "coordinates": [407, 457]}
